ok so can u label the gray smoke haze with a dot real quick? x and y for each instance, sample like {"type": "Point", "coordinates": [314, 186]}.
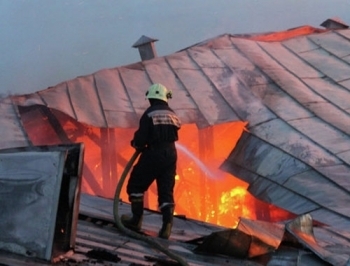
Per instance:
{"type": "Point", "coordinates": [45, 42]}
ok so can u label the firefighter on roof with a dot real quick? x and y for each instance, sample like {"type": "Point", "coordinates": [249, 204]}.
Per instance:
{"type": "Point", "coordinates": [155, 138]}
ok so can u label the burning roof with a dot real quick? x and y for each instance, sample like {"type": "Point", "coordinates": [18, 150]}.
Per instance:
{"type": "Point", "coordinates": [289, 90]}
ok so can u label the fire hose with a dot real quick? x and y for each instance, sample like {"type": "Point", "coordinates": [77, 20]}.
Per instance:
{"type": "Point", "coordinates": [122, 228]}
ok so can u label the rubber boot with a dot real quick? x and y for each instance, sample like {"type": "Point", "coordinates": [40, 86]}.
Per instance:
{"type": "Point", "coordinates": [134, 221]}
{"type": "Point", "coordinates": [167, 213]}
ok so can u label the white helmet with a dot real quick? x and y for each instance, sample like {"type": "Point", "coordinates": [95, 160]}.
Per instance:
{"type": "Point", "coordinates": [158, 91]}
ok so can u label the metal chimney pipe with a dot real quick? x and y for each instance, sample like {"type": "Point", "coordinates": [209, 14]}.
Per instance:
{"type": "Point", "coordinates": [146, 47]}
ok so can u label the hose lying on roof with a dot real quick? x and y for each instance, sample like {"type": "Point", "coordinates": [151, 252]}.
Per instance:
{"type": "Point", "coordinates": [127, 231]}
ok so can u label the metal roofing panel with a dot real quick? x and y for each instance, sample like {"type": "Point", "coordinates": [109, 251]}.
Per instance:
{"type": "Point", "coordinates": [345, 83]}
{"type": "Point", "coordinates": [234, 59]}
{"type": "Point", "coordinates": [204, 57]}
{"type": "Point", "coordinates": [277, 100]}
{"type": "Point", "coordinates": [136, 83]}
{"type": "Point", "coordinates": [331, 218]}
{"type": "Point", "coordinates": [322, 133]}
{"type": "Point", "coordinates": [288, 82]}
{"type": "Point", "coordinates": [85, 101]}
{"type": "Point", "coordinates": [345, 156]}
{"type": "Point", "coordinates": [220, 42]}
{"type": "Point", "coordinates": [111, 91]}
{"type": "Point", "coordinates": [300, 45]}
{"type": "Point", "coordinates": [245, 106]}
{"type": "Point", "coordinates": [281, 135]}
{"type": "Point", "coordinates": [28, 99]}
{"type": "Point", "coordinates": [58, 98]}
{"type": "Point", "coordinates": [332, 115]}
{"type": "Point", "coordinates": [304, 191]}
{"type": "Point", "coordinates": [213, 106]}
{"type": "Point", "coordinates": [330, 91]}
{"type": "Point", "coordinates": [345, 33]}
{"type": "Point", "coordinates": [323, 190]}
{"type": "Point", "coordinates": [280, 196]}
{"type": "Point", "coordinates": [332, 42]}
{"type": "Point", "coordinates": [289, 60]}
{"type": "Point", "coordinates": [330, 66]}
{"type": "Point", "coordinates": [302, 229]}
{"type": "Point", "coordinates": [159, 71]}
{"type": "Point", "coordinates": [247, 72]}
{"type": "Point", "coordinates": [339, 174]}
{"type": "Point", "coordinates": [259, 156]}
{"type": "Point", "coordinates": [11, 131]}
{"type": "Point", "coordinates": [181, 60]}
{"type": "Point", "coordinates": [114, 99]}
